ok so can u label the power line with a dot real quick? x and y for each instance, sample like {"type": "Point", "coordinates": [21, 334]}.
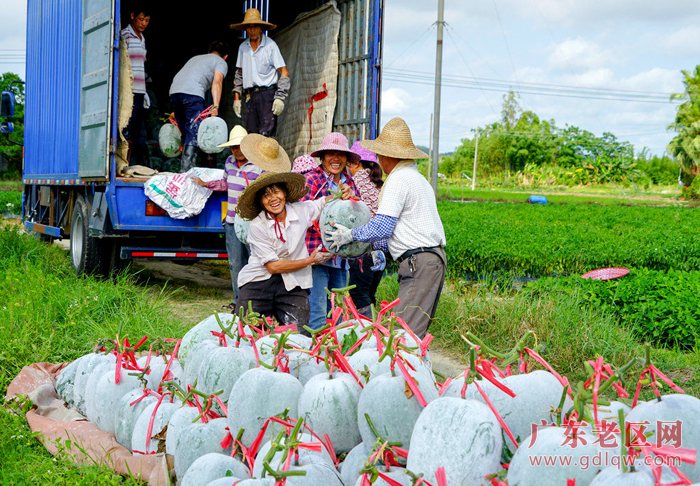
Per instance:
{"type": "Point", "coordinates": [416, 77]}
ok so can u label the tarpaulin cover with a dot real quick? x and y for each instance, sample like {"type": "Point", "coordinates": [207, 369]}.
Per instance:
{"type": "Point", "coordinates": [310, 50]}
{"type": "Point", "coordinates": [57, 424]}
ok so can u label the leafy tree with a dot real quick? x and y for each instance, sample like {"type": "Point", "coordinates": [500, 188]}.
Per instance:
{"type": "Point", "coordinates": [685, 146]}
{"type": "Point", "coordinates": [11, 144]}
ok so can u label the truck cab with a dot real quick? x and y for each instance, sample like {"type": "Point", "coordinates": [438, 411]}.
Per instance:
{"type": "Point", "coordinates": [74, 185]}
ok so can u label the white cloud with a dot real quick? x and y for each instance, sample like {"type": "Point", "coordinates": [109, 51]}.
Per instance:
{"type": "Point", "coordinates": [576, 55]}
{"type": "Point", "coordinates": [685, 40]}
{"type": "Point", "coordinates": [394, 101]}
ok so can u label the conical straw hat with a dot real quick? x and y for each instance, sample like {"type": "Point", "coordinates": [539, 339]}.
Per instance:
{"type": "Point", "coordinates": [248, 204]}
{"type": "Point", "coordinates": [395, 141]}
{"type": "Point", "coordinates": [235, 136]}
{"type": "Point", "coordinates": [252, 17]}
{"type": "Point", "coordinates": [265, 152]}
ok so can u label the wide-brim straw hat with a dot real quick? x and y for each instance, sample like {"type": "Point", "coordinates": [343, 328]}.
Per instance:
{"type": "Point", "coordinates": [234, 137]}
{"type": "Point", "coordinates": [266, 153]}
{"type": "Point", "coordinates": [252, 17]}
{"type": "Point", "coordinates": [395, 141]}
{"type": "Point", "coordinates": [248, 205]}
{"type": "Point", "coordinates": [336, 142]}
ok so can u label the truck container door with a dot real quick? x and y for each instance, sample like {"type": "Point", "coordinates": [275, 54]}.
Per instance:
{"type": "Point", "coordinates": [359, 69]}
{"type": "Point", "coordinates": [95, 88]}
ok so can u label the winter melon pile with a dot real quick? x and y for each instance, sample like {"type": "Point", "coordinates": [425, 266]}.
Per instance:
{"type": "Point", "coordinates": [253, 403]}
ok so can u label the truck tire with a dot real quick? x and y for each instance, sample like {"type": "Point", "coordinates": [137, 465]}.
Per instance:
{"type": "Point", "coordinates": [86, 252]}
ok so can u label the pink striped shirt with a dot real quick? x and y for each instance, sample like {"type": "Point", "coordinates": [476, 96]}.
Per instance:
{"type": "Point", "coordinates": [136, 46]}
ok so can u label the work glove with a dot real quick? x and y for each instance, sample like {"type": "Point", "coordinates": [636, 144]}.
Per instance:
{"type": "Point", "coordinates": [378, 261]}
{"type": "Point", "coordinates": [277, 107]}
{"type": "Point", "coordinates": [237, 107]}
{"type": "Point", "coordinates": [320, 257]}
{"type": "Point", "coordinates": [146, 101]}
{"type": "Point", "coordinates": [338, 238]}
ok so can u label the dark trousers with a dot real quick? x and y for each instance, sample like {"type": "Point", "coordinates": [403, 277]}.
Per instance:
{"type": "Point", "coordinates": [270, 298]}
{"type": "Point", "coordinates": [187, 108]}
{"type": "Point", "coordinates": [135, 132]}
{"type": "Point", "coordinates": [366, 283]}
{"type": "Point", "coordinates": [258, 113]}
{"type": "Point", "coordinates": [421, 277]}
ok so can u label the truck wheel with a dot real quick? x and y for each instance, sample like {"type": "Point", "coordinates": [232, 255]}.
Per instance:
{"type": "Point", "coordinates": [85, 251]}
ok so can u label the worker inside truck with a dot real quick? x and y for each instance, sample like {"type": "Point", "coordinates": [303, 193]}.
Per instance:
{"type": "Point", "coordinates": [307, 35]}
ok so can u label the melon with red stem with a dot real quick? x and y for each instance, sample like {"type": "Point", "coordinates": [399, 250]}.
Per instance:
{"type": "Point", "coordinates": [392, 473]}
{"type": "Point", "coordinates": [463, 436]}
{"type": "Point", "coordinates": [666, 411]}
{"type": "Point", "coordinates": [181, 419]}
{"type": "Point", "coordinates": [222, 367]}
{"type": "Point", "coordinates": [353, 463]}
{"type": "Point", "coordinates": [154, 420]}
{"type": "Point", "coordinates": [84, 372]}
{"type": "Point", "coordinates": [301, 457]}
{"type": "Point", "coordinates": [157, 365]}
{"type": "Point", "coordinates": [537, 395]}
{"type": "Point", "coordinates": [349, 213]}
{"type": "Point", "coordinates": [304, 366]}
{"type": "Point", "coordinates": [213, 466]}
{"type": "Point", "coordinates": [202, 332]}
{"type": "Point", "coordinates": [65, 381]}
{"type": "Point", "coordinates": [527, 467]}
{"type": "Point", "coordinates": [391, 408]}
{"type": "Point", "coordinates": [197, 355]}
{"type": "Point", "coordinates": [258, 394]}
{"type": "Point", "coordinates": [328, 404]}
{"type": "Point", "coordinates": [127, 411]}
{"type": "Point", "coordinates": [245, 482]}
{"type": "Point", "coordinates": [199, 439]}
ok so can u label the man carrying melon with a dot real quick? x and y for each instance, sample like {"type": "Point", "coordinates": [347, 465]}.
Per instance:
{"type": "Point", "coordinates": [407, 224]}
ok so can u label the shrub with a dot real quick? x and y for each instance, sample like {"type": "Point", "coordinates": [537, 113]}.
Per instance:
{"type": "Point", "coordinates": [659, 307]}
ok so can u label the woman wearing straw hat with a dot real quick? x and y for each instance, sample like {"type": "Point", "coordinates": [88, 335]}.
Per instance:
{"type": "Point", "coordinates": [407, 223]}
{"type": "Point", "coordinates": [276, 280]}
{"type": "Point", "coordinates": [261, 76]}
{"type": "Point", "coordinates": [322, 181]}
{"type": "Point", "coordinates": [238, 174]}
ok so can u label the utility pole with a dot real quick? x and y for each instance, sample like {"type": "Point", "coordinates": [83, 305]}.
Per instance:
{"type": "Point", "coordinates": [476, 154]}
{"type": "Point", "coordinates": [435, 152]}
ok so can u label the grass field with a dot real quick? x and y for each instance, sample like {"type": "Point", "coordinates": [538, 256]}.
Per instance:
{"type": "Point", "coordinates": [49, 314]}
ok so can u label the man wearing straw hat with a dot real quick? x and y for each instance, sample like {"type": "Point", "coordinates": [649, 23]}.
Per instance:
{"type": "Point", "coordinates": [238, 174]}
{"type": "Point", "coordinates": [407, 223]}
{"type": "Point", "coordinates": [276, 280]}
{"type": "Point", "coordinates": [261, 76]}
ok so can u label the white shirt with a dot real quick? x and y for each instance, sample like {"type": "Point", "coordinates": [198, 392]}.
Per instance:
{"type": "Point", "coordinates": [266, 246]}
{"type": "Point", "coordinates": [259, 67]}
{"type": "Point", "coordinates": [407, 195]}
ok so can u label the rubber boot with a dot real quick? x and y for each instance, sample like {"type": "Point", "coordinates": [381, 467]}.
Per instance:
{"type": "Point", "coordinates": [189, 158]}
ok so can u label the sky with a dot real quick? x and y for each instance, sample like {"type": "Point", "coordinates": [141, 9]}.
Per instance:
{"type": "Point", "coordinates": [561, 56]}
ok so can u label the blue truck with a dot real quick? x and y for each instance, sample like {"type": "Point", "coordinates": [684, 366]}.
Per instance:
{"type": "Point", "coordinates": [71, 185]}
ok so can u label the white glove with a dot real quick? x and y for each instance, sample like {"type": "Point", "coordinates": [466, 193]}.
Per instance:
{"type": "Point", "coordinates": [340, 237]}
{"type": "Point", "coordinates": [237, 107]}
{"type": "Point", "coordinates": [277, 107]}
{"type": "Point", "coordinates": [378, 261]}
{"type": "Point", "coordinates": [146, 101]}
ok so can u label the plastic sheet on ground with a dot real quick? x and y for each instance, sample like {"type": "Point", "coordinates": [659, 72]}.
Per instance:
{"type": "Point", "coordinates": [56, 424]}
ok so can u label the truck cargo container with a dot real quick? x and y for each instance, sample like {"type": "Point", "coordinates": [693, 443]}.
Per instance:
{"type": "Point", "coordinates": [72, 187]}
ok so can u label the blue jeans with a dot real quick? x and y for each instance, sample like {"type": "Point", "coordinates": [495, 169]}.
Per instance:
{"type": "Point", "coordinates": [237, 256]}
{"type": "Point", "coordinates": [187, 108]}
{"type": "Point", "coordinates": [323, 278]}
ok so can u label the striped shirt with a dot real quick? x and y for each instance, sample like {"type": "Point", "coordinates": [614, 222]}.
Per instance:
{"type": "Point", "coordinates": [235, 180]}
{"type": "Point", "coordinates": [136, 46]}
